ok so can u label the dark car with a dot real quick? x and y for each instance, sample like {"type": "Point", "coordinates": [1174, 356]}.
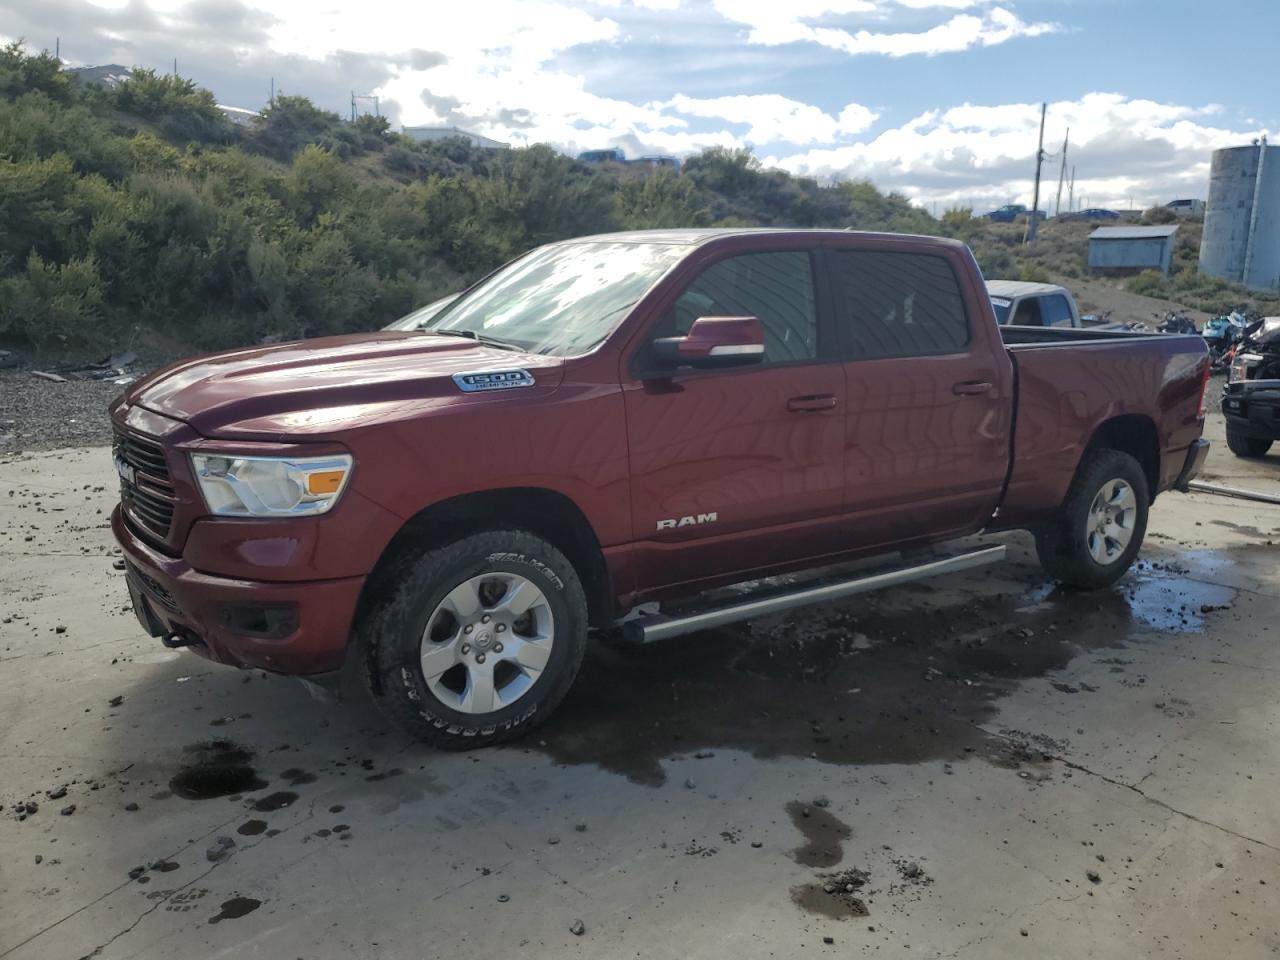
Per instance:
{"type": "Point", "coordinates": [1008, 213]}
{"type": "Point", "coordinates": [1251, 398]}
{"type": "Point", "coordinates": [1097, 213]}
{"type": "Point", "coordinates": [612, 155]}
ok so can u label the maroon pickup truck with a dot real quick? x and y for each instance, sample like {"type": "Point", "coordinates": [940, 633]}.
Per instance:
{"type": "Point", "coordinates": [605, 431]}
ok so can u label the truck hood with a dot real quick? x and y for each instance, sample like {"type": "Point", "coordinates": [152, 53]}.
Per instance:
{"type": "Point", "coordinates": [315, 389]}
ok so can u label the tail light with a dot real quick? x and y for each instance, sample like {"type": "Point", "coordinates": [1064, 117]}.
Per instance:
{"type": "Point", "coordinates": [1202, 410]}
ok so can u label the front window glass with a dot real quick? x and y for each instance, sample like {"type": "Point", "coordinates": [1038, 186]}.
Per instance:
{"type": "Point", "coordinates": [561, 300]}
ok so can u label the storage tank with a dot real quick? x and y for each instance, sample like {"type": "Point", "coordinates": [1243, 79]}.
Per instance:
{"type": "Point", "coordinates": [1241, 240]}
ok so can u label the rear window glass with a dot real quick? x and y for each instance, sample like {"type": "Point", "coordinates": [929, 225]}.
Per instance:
{"type": "Point", "coordinates": [898, 304]}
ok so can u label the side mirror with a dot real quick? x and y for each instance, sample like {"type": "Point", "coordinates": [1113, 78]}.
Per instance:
{"type": "Point", "coordinates": [714, 342]}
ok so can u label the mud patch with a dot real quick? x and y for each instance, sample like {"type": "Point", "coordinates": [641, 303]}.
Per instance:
{"type": "Point", "coordinates": [251, 828]}
{"type": "Point", "coordinates": [903, 676]}
{"type": "Point", "coordinates": [215, 768]}
{"type": "Point", "coordinates": [823, 832]}
{"type": "Point", "coordinates": [835, 896]}
{"type": "Point", "coordinates": [296, 777]}
{"type": "Point", "coordinates": [274, 801]}
{"type": "Point", "coordinates": [235, 908]}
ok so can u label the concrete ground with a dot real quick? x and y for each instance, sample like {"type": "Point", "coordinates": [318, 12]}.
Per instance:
{"type": "Point", "coordinates": [981, 767]}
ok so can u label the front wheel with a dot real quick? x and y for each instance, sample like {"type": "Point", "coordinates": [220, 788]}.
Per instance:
{"type": "Point", "coordinates": [478, 641]}
{"type": "Point", "coordinates": [1100, 526]}
{"type": "Point", "coordinates": [1243, 445]}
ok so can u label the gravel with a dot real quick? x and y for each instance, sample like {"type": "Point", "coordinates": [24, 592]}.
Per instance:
{"type": "Point", "coordinates": [39, 414]}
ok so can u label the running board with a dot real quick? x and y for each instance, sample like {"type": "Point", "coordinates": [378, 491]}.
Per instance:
{"type": "Point", "coordinates": [652, 627]}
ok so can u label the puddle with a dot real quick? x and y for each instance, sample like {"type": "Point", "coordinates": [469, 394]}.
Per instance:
{"type": "Point", "coordinates": [215, 768]}
{"type": "Point", "coordinates": [251, 828]}
{"type": "Point", "coordinates": [902, 676]}
{"type": "Point", "coordinates": [235, 908]}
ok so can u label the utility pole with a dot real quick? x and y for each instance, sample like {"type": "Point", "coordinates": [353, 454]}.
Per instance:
{"type": "Point", "coordinates": [1034, 216]}
{"type": "Point", "coordinates": [272, 101]}
{"type": "Point", "coordinates": [1071, 191]}
{"type": "Point", "coordinates": [57, 48]}
{"type": "Point", "coordinates": [175, 66]}
{"type": "Point", "coordinates": [1062, 174]}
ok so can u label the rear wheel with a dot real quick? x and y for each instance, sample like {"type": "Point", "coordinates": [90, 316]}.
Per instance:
{"type": "Point", "coordinates": [478, 641]}
{"type": "Point", "coordinates": [1100, 526]}
{"type": "Point", "coordinates": [1243, 445]}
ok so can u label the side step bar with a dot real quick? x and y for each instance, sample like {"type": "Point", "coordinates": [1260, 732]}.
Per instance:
{"type": "Point", "coordinates": [651, 627]}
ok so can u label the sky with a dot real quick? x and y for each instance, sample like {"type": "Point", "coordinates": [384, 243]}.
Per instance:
{"type": "Point", "coordinates": [936, 99]}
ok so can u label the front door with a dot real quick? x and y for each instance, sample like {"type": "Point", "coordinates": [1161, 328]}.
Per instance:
{"type": "Point", "coordinates": [740, 469]}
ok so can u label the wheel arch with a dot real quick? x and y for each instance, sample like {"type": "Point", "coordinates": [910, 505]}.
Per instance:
{"type": "Point", "coordinates": [548, 514]}
{"type": "Point", "coordinates": [1134, 434]}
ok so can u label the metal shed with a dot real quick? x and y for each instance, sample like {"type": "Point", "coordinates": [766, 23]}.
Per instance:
{"type": "Point", "coordinates": [1132, 248]}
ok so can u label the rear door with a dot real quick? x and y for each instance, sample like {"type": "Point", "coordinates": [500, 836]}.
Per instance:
{"type": "Point", "coordinates": [928, 393]}
{"type": "Point", "coordinates": [731, 467]}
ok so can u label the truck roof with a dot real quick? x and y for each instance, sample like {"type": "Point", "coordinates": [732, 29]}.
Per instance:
{"type": "Point", "coordinates": [697, 236]}
{"type": "Point", "coordinates": [1021, 288]}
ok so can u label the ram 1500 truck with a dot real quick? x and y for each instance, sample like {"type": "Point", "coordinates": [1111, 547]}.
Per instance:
{"type": "Point", "coordinates": [607, 430]}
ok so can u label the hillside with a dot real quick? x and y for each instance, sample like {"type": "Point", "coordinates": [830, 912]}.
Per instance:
{"type": "Point", "coordinates": [136, 209]}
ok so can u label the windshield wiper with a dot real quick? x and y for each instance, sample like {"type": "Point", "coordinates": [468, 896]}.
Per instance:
{"type": "Point", "coordinates": [472, 335]}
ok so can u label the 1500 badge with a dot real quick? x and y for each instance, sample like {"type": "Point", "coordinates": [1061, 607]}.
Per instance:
{"type": "Point", "coordinates": [493, 380]}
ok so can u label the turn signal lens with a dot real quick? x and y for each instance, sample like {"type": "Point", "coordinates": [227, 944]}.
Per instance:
{"type": "Point", "coordinates": [325, 481]}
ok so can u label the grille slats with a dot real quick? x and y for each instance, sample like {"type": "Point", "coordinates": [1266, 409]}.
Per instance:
{"type": "Point", "coordinates": [150, 497]}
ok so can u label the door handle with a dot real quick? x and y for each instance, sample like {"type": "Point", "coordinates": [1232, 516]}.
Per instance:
{"type": "Point", "coordinates": [968, 388]}
{"type": "Point", "coordinates": [811, 404]}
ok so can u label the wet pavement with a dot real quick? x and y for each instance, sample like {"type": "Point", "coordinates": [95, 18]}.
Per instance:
{"type": "Point", "coordinates": [981, 766]}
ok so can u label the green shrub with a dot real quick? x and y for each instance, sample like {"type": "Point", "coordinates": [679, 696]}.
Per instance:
{"type": "Point", "coordinates": [1149, 283]}
{"type": "Point", "coordinates": [1033, 273]}
{"type": "Point", "coordinates": [50, 304]}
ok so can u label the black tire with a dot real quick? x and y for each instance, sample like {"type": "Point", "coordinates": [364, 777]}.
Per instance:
{"type": "Point", "coordinates": [1063, 545]}
{"type": "Point", "coordinates": [1243, 445]}
{"type": "Point", "coordinates": [390, 637]}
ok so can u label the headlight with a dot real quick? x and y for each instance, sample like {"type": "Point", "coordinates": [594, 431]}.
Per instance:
{"type": "Point", "coordinates": [236, 486]}
{"type": "Point", "coordinates": [1240, 367]}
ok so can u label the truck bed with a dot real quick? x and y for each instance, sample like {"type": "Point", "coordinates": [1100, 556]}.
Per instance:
{"type": "Point", "coordinates": [1071, 381]}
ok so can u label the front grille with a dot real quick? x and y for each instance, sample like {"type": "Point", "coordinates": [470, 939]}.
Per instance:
{"type": "Point", "coordinates": [145, 487]}
{"type": "Point", "coordinates": [152, 587]}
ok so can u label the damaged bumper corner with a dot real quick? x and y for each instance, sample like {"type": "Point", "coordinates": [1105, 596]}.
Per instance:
{"type": "Point", "coordinates": [1196, 454]}
{"type": "Point", "coordinates": [299, 628]}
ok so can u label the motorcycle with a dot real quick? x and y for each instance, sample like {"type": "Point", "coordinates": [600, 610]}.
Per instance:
{"type": "Point", "coordinates": [1221, 334]}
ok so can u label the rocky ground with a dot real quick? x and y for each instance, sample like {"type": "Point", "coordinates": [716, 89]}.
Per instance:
{"type": "Point", "coordinates": [979, 767]}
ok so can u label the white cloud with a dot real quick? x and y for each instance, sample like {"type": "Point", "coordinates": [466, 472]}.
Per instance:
{"type": "Point", "coordinates": [775, 23]}
{"type": "Point", "coordinates": [772, 118]}
{"type": "Point", "coordinates": [984, 155]}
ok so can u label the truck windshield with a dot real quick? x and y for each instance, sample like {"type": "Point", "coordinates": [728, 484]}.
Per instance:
{"type": "Point", "coordinates": [1002, 309]}
{"type": "Point", "coordinates": [560, 300]}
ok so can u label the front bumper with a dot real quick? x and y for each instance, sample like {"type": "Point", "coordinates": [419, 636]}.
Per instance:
{"type": "Point", "coordinates": [1252, 407]}
{"type": "Point", "coordinates": [304, 626]}
{"type": "Point", "coordinates": [1191, 467]}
